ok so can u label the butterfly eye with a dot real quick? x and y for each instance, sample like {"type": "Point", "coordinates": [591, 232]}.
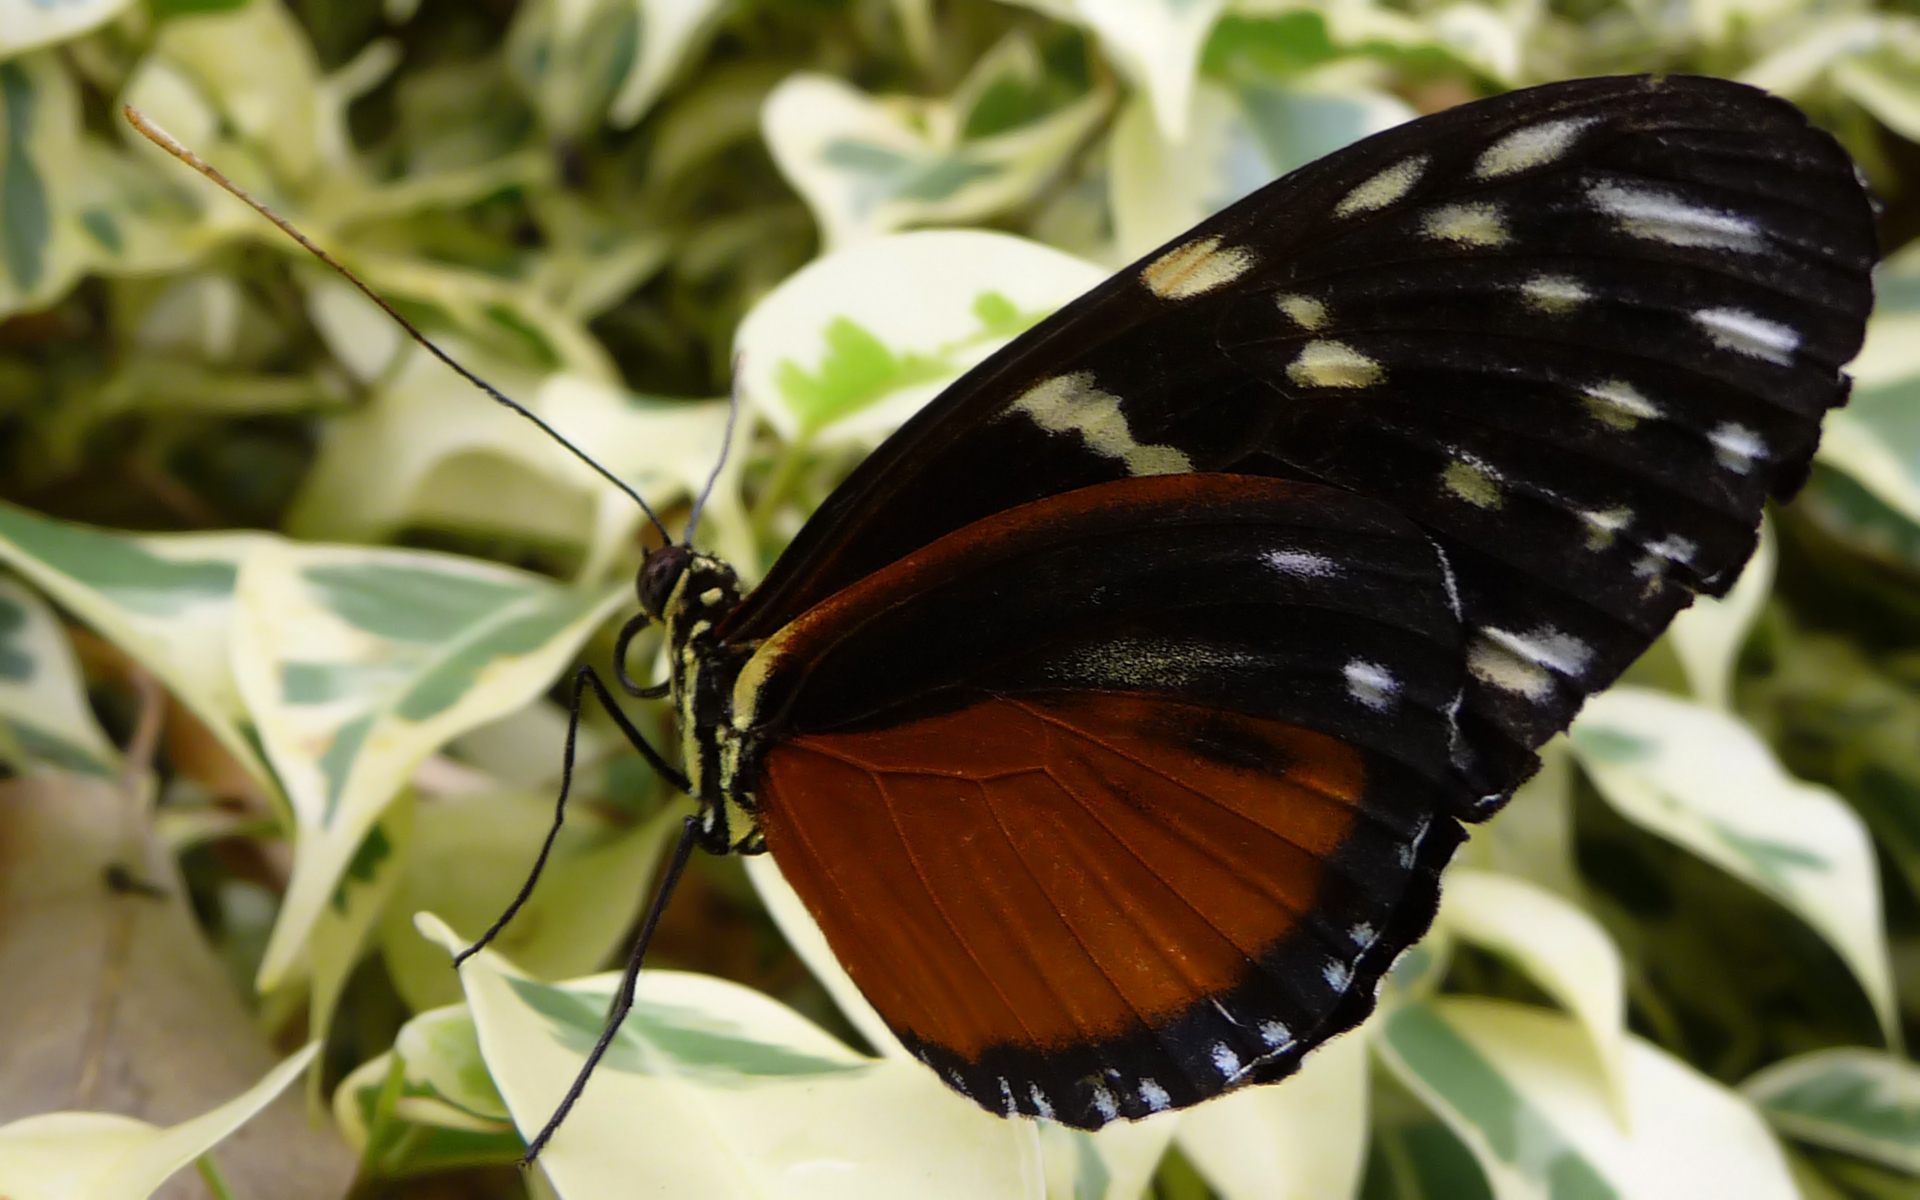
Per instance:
{"type": "Point", "coordinates": [659, 572]}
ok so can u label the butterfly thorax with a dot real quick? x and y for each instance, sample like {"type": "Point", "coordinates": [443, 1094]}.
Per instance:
{"type": "Point", "coordinates": [704, 668]}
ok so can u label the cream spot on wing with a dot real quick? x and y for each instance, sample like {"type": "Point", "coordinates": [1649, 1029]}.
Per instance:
{"type": "Point", "coordinates": [1617, 403]}
{"type": "Point", "coordinates": [1524, 663]}
{"type": "Point", "coordinates": [1473, 481]}
{"type": "Point", "coordinates": [1333, 365]}
{"type": "Point", "coordinates": [1466, 224]}
{"type": "Point", "coordinates": [1072, 404]}
{"type": "Point", "coordinates": [1306, 312]}
{"type": "Point", "coordinates": [1555, 294]}
{"type": "Point", "coordinates": [1383, 189]}
{"type": "Point", "coordinates": [1660, 217]}
{"type": "Point", "coordinates": [1371, 684]}
{"type": "Point", "coordinates": [1736, 447]}
{"type": "Point", "coordinates": [711, 596]}
{"type": "Point", "coordinates": [1744, 333]}
{"type": "Point", "coordinates": [1603, 524]}
{"type": "Point", "coordinates": [1195, 268]}
{"type": "Point", "coordinates": [1534, 146]}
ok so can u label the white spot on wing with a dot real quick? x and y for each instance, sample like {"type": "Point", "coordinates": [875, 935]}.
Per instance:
{"type": "Point", "coordinates": [1555, 294]}
{"type": "Point", "coordinates": [1534, 146]}
{"type": "Point", "coordinates": [1744, 333]}
{"type": "Point", "coordinates": [1466, 224]}
{"type": "Point", "coordinates": [1333, 365]}
{"type": "Point", "coordinates": [1362, 934]}
{"type": "Point", "coordinates": [1103, 1102]}
{"type": "Point", "coordinates": [1383, 189]}
{"type": "Point", "coordinates": [1520, 663]}
{"type": "Point", "coordinates": [1618, 403]}
{"type": "Point", "coordinates": [1547, 646]}
{"type": "Point", "coordinates": [1006, 1099]}
{"type": "Point", "coordinates": [1195, 268]}
{"type": "Point", "coordinates": [1338, 974]}
{"type": "Point", "coordinates": [1660, 217]}
{"type": "Point", "coordinates": [1736, 447]}
{"type": "Point", "coordinates": [1603, 524]}
{"type": "Point", "coordinates": [1154, 1096]}
{"type": "Point", "coordinates": [1225, 1060]}
{"type": "Point", "coordinates": [959, 1084]}
{"type": "Point", "coordinates": [1072, 404]}
{"type": "Point", "coordinates": [1302, 563]}
{"type": "Point", "coordinates": [1041, 1105]}
{"type": "Point", "coordinates": [1274, 1034]}
{"type": "Point", "coordinates": [1371, 684]}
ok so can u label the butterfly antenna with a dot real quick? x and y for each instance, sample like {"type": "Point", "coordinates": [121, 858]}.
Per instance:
{"type": "Point", "coordinates": [726, 447]}
{"type": "Point", "coordinates": [171, 145]}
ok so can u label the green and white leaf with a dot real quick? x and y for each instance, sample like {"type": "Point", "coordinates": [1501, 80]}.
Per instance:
{"type": "Point", "coordinates": [1708, 636]}
{"type": "Point", "coordinates": [803, 934]}
{"type": "Point", "coordinates": [1859, 1102]}
{"type": "Point", "coordinates": [1508, 1080]}
{"type": "Point", "coordinates": [1305, 1136]}
{"type": "Point", "coordinates": [1560, 948]}
{"type": "Point", "coordinates": [1157, 43]}
{"type": "Point", "coordinates": [44, 246]}
{"type": "Point", "coordinates": [1876, 438]}
{"type": "Point", "coordinates": [105, 1156]}
{"type": "Point", "coordinates": [339, 934]}
{"type": "Point", "coordinates": [742, 1096]}
{"type": "Point", "coordinates": [427, 449]}
{"type": "Point", "coordinates": [1532, 837]}
{"type": "Point", "coordinates": [868, 166]}
{"type": "Point", "coordinates": [470, 856]}
{"type": "Point", "coordinates": [44, 718]}
{"type": "Point", "coordinates": [30, 24]}
{"type": "Point", "coordinates": [1115, 1163]}
{"type": "Point", "coordinates": [855, 343]}
{"type": "Point", "coordinates": [428, 1104]}
{"type": "Point", "coordinates": [1705, 781]}
{"type": "Point", "coordinates": [359, 663]}
{"type": "Point", "coordinates": [1236, 140]}
{"type": "Point", "coordinates": [166, 599]}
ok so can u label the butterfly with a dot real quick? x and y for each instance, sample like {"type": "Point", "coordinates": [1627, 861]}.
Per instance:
{"type": "Point", "coordinates": [1116, 717]}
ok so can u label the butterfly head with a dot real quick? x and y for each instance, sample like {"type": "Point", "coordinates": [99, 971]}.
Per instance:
{"type": "Point", "coordinates": [661, 572]}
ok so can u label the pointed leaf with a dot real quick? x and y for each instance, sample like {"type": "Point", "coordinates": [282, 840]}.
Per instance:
{"type": "Point", "coordinates": [1704, 781]}
{"type": "Point", "coordinates": [856, 342]}
{"type": "Point", "coordinates": [1709, 635]}
{"type": "Point", "coordinates": [1305, 1136]}
{"type": "Point", "coordinates": [102, 1156]}
{"type": "Point", "coordinates": [359, 663]}
{"type": "Point", "coordinates": [1860, 1102]}
{"type": "Point", "coordinates": [1505, 1077]}
{"type": "Point", "coordinates": [742, 1096]}
{"type": "Point", "coordinates": [44, 718]}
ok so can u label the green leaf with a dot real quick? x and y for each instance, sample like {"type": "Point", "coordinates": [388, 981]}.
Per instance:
{"type": "Point", "coordinates": [1704, 781]}
{"type": "Point", "coordinates": [1859, 1102]}
{"type": "Point", "coordinates": [358, 663]}
{"type": "Point", "coordinates": [744, 1098]}
{"type": "Point", "coordinates": [167, 600]}
{"type": "Point", "coordinates": [44, 718]}
{"type": "Point", "coordinates": [854, 343]}
{"type": "Point", "coordinates": [25, 226]}
{"type": "Point", "coordinates": [103, 1156]}
{"type": "Point", "coordinates": [1505, 1078]}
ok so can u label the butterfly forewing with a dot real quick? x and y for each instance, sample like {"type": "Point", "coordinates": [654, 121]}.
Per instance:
{"type": "Point", "coordinates": [1577, 333]}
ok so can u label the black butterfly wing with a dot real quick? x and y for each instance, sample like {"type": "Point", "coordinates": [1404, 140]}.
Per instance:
{"type": "Point", "coordinates": [1121, 798]}
{"type": "Point", "coordinates": [1577, 333]}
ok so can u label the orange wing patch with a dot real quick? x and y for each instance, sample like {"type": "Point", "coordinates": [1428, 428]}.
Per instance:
{"type": "Point", "coordinates": [1057, 870]}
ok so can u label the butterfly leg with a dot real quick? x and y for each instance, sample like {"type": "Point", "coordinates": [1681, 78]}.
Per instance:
{"type": "Point", "coordinates": [623, 996]}
{"type": "Point", "coordinates": [582, 679]}
{"type": "Point", "coordinates": [651, 692]}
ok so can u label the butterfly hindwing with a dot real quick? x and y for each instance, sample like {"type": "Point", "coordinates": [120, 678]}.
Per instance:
{"type": "Point", "coordinates": [1578, 333]}
{"type": "Point", "coordinates": [1125, 797]}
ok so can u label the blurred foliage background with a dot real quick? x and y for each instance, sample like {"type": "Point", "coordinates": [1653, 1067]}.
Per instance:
{"type": "Point", "coordinates": [584, 200]}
